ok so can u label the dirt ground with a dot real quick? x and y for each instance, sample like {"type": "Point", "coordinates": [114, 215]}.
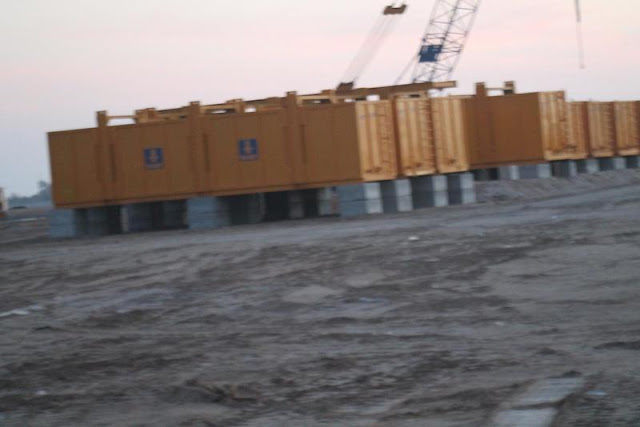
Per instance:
{"type": "Point", "coordinates": [431, 318]}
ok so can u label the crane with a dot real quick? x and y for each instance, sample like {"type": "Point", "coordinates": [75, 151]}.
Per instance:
{"type": "Point", "coordinates": [441, 45]}
{"type": "Point", "coordinates": [444, 40]}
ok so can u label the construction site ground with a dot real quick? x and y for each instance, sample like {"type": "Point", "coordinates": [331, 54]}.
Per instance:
{"type": "Point", "coordinates": [430, 318]}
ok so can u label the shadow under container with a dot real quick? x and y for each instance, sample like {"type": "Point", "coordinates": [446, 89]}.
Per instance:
{"type": "Point", "coordinates": [519, 129]}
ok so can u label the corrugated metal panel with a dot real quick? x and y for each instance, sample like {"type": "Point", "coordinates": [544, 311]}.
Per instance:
{"type": "Point", "coordinates": [627, 116]}
{"type": "Point", "coordinates": [555, 128]}
{"type": "Point", "coordinates": [450, 134]}
{"type": "Point", "coordinates": [509, 130]}
{"type": "Point", "coordinates": [521, 128]}
{"type": "Point", "coordinates": [77, 166]}
{"type": "Point", "coordinates": [245, 151]}
{"type": "Point", "coordinates": [602, 132]}
{"type": "Point", "coordinates": [578, 128]}
{"type": "Point", "coordinates": [151, 160]}
{"type": "Point", "coordinates": [414, 136]}
{"type": "Point", "coordinates": [376, 140]}
{"type": "Point", "coordinates": [349, 142]}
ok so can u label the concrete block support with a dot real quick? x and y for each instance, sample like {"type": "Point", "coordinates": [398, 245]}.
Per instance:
{"type": "Point", "coordinates": [461, 189]}
{"type": "Point", "coordinates": [99, 221]}
{"type": "Point", "coordinates": [327, 201]}
{"type": "Point", "coordinates": [103, 221]}
{"type": "Point", "coordinates": [587, 166]}
{"type": "Point", "coordinates": [564, 168]}
{"type": "Point", "coordinates": [67, 223]}
{"type": "Point", "coordinates": [296, 204]}
{"type": "Point", "coordinates": [611, 163]}
{"type": "Point", "coordinates": [276, 205]}
{"type": "Point", "coordinates": [173, 214]}
{"type": "Point", "coordinates": [481, 175]}
{"type": "Point", "coordinates": [208, 212]}
{"type": "Point", "coordinates": [541, 170]}
{"type": "Point", "coordinates": [247, 208]}
{"type": "Point", "coordinates": [141, 217]}
{"type": "Point", "coordinates": [396, 196]}
{"type": "Point", "coordinates": [360, 199]}
{"type": "Point", "coordinates": [632, 162]}
{"type": "Point", "coordinates": [429, 191]}
{"type": "Point", "coordinates": [508, 173]}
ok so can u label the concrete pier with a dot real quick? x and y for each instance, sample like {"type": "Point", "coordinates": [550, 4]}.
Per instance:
{"type": "Point", "coordinates": [611, 163]}
{"type": "Point", "coordinates": [208, 212]}
{"type": "Point", "coordinates": [540, 170]}
{"type": "Point", "coordinates": [632, 162]}
{"type": "Point", "coordinates": [461, 189]}
{"type": "Point", "coordinates": [396, 196]}
{"type": "Point", "coordinates": [246, 208]}
{"type": "Point", "coordinates": [141, 217]}
{"type": "Point", "coordinates": [508, 173]}
{"type": "Point", "coordinates": [587, 166]}
{"type": "Point", "coordinates": [100, 221]}
{"type": "Point", "coordinates": [564, 168]}
{"type": "Point", "coordinates": [360, 199]}
{"type": "Point", "coordinates": [429, 191]}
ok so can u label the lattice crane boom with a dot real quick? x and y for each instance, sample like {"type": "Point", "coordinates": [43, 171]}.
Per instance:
{"type": "Point", "coordinates": [444, 40]}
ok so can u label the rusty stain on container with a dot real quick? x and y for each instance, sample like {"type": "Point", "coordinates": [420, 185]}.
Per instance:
{"type": "Point", "coordinates": [627, 117]}
{"type": "Point", "coordinates": [602, 129]}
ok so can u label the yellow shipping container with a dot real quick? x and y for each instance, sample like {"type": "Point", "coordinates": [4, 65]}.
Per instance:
{"type": "Point", "coordinates": [246, 152]}
{"type": "Point", "coordinates": [77, 168]}
{"type": "Point", "coordinates": [602, 129]}
{"type": "Point", "coordinates": [519, 129]}
{"type": "Point", "coordinates": [627, 116]}
{"type": "Point", "coordinates": [578, 127]}
{"type": "Point", "coordinates": [348, 142]}
{"type": "Point", "coordinates": [431, 136]}
{"type": "Point", "coordinates": [151, 161]}
{"type": "Point", "coordinates": [450, 134]}
{"type": "Point", "coordinates": [416, 150]}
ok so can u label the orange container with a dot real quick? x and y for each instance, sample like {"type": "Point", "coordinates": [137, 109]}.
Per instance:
{"type": "Point", "coordinates": [450, 134]}
{"type": "Point", "coordinates": [246, 152]}
{"type": "Point", "coordinates": [519, 129]}
{"type": "Point", "coordinates": [349, 142]}
{"type": "Point", "coordinates": [414, 135]}
{"type": "Point", "coordinates": [627, 115]}
{"type": "Point", "coordinates": [77, 168]}
{"type": "Point", "coordinates": [151, 161]}
{"type": "Point", "coordinates": [431, 135]}
{"type": "Point", "coordinates": [602, 129]}
{"type": "Point", "coordinates": [578, 126]}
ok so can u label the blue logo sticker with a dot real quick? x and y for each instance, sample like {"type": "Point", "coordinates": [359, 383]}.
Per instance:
{"type": "Point", "coordinates": [153, 158]}
{"type": "Point", "coordinates": [248, 150]}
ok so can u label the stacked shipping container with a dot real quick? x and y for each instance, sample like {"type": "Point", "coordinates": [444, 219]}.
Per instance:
{"type": "Point", "coordinates": [285, 144]}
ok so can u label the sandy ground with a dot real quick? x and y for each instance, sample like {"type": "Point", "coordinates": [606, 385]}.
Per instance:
{"type": "Point", "coordinates": [431, 318]}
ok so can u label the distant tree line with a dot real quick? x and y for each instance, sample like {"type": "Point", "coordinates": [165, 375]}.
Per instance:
{"type": "Point", "coordinates": [43, 196]}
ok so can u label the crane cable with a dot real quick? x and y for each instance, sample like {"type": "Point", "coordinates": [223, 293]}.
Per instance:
{"type": "Point", "coordinates": [579, 34]}
{"type": "Point", "coordinates": [382, 28]}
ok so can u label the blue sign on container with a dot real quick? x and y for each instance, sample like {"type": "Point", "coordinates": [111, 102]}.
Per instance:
{"type": "Point", "coordinates": [248, 150]}
{"type": "Point", "coordinates": [153, 158]}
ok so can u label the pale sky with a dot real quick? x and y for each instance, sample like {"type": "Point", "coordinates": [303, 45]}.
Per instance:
{"type": "Point", "coordinates": [63, 60]}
